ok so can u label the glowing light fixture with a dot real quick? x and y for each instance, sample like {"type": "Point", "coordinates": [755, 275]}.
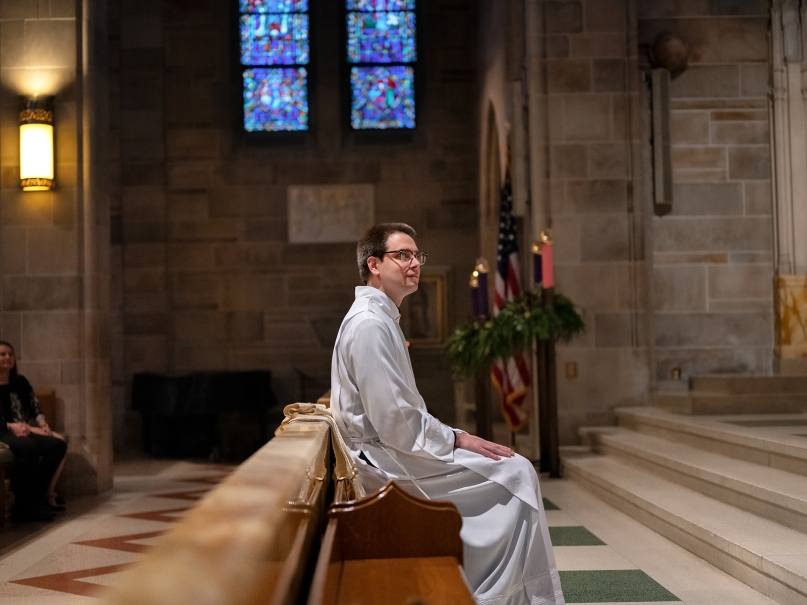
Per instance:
{"type": "Point", "coordinates": [36, 143]}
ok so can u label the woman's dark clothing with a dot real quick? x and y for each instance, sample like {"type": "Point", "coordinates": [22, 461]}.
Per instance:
{"type": "Point", "coordinates": [37, 456]}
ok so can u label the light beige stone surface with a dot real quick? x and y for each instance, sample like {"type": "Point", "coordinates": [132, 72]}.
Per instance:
{"type": "Point", "coordinates": [690, 578]}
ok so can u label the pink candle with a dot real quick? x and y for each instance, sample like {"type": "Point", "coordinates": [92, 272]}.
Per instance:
{"type": "Point", "coordinates": [547, 265]}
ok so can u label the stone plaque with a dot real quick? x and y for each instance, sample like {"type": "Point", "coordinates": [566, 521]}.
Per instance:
{"type": "Point", "coordinates": [320, 214]}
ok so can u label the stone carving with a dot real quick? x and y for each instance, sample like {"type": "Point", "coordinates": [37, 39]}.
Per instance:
{"type": "Point", "coordinates": [320, 214]}
{"type": "Point", "coordinates": [670, 51]}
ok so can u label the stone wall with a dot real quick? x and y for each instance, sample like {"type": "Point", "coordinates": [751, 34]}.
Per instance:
{"type": "Point", "coordinates": [712, 255]}
{"type": "Point", "coordinates": [204, 276]}
{"type": "Point", "coordinates": [54, 245]}
{"type": "Point", "coordinates": [597, 206]}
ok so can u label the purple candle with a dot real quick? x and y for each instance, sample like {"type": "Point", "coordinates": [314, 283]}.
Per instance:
{"type": "Point", "coordinates": [482, 295]}
{"type": "Point", "coordinates": [475, 293]}
{"type": "Point", "coordinates": [537, 264]}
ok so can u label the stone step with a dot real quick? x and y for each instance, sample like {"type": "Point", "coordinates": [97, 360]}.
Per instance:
{"type": "Point", "coordinates": [722, 435]}
{"type": "Point", "coordinates": [768, 556]}
{"type": "Point", "coordinates": [706, 403]}
{"type": "Point", "coordinates": [730, 384]}
{"type": "Point", "coordinates": [775, 494]}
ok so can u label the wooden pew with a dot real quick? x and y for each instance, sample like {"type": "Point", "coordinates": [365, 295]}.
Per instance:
{"type": "Point", "coordinates": [48, 405]}
{"type": "Point", "coordinates": [391, 548]}
{"type": "Point", "coordinates": [254, 539]}
{"type": "Point", "coordinates": [6, 464]}
{"type": "Point", "coordinates": [250, 541]}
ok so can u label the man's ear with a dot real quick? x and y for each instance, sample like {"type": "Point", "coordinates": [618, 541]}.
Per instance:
{"type": "Point", "coordinates": [372, 264]}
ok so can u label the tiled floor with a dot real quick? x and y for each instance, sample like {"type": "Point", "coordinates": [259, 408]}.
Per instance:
{"type": "Point", "coordinates": [603, 556]}
{"type": "Point", "coordinates": [69, 561]}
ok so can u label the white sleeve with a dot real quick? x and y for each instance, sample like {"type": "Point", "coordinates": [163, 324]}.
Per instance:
{"type": "Point", "coordinates": [395, 408]}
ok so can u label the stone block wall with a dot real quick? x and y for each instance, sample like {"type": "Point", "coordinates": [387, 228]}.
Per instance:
{"type": "Point", "coordinates": [203, 275]}
{"type": "Point", "coordinates": [712, 256]}
{"type": "Point", "coordinates": [597, 209]}
{"type": "Point", "coordinates": [54, 245]}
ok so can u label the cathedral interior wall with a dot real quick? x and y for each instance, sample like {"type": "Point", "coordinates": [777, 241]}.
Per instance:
{"type": "Point", "coordinates": [596, 206]}
{"type": "Point", "coordinates": [712, 256]}
{"type": "Point", "coordinates": [164, 246]}
{"type": "Point", "coordinates": [54, 294]}
{"type": "Point", "coordinates": [203, 275]}
{"type": "Point", "coordinates": [700, 300]}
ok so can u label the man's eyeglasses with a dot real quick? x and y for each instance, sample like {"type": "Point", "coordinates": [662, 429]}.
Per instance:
{"type": "Point", "coordinates": [406, 256]}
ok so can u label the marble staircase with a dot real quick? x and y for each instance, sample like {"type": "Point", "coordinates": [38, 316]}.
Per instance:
{"type": "Point", "coordinates": [733, 394]}
{"type": "Point", "coordinates": [731, 489]}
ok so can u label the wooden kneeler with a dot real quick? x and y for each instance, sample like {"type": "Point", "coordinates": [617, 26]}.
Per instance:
{"type": "Point", "coordinates": [391, 548]}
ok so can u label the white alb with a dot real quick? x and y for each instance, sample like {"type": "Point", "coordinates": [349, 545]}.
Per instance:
{"type": "Point", "coordinates": [391, 435]}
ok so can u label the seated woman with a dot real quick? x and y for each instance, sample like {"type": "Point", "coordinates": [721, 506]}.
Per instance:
{"type": "Point", "coordinates": [40, 452]}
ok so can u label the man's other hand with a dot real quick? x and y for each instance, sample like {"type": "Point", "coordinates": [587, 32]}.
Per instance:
{"type": "Point", "coordinates": [488, 449]}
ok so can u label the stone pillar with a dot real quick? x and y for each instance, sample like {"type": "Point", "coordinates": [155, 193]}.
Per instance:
{"type": "Point", "coordinates": [788, 108]}
{"type": "Point", "coordinates": [585, 146]}
{"type": "Point", "coordinates": [54, 245]}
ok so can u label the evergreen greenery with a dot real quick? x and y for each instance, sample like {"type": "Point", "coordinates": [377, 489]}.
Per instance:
{"type": "Point", "coordinates": [521, 322]}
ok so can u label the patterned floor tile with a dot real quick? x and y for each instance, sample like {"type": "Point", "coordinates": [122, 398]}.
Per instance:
{"type": "Point", "coordinates": [77, 558]}
{"type": "Point", "coordinates": [573, 535]}
{"type": "Point", "coordinates": [613, 586]}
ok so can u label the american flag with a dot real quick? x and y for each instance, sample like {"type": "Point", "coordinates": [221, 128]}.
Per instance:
{"type": "Point", "coordinates": [511, 376]}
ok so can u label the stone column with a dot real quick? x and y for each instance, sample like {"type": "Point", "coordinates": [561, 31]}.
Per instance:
{"type": "Point", "coordinates": [788, 107]}
{"type": "Point", "coordinates": [54, 245]}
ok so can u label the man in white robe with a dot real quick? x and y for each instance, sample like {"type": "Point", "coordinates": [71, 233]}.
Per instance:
{"type": "Point", "coordinates": [376, 404]}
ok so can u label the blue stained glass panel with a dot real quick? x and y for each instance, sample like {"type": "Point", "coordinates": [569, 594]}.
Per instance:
{"type": "Point", "coordinates": [274, 6]}
{"type": "Point", "coordinates": [382, 97]}
{"type": "Point", "coordinates": [380, 5]}
{"type": "Point", "coordinates": [381, 37]}
{"type": "Point", "coordinates": [275, 99]}
{"type": "Point", "coordinates": [274, 39]}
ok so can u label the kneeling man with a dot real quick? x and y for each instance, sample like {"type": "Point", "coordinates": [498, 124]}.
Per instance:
{"type": "Point", "coordinates": [383, 418]}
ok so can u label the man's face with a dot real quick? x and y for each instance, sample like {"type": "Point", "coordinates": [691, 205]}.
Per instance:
{"type": "Point", "coordinates": [398, 278]}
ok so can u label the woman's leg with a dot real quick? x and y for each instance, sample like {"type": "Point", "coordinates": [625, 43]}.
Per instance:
{"type": "Point", "coordinates": [26, 482]}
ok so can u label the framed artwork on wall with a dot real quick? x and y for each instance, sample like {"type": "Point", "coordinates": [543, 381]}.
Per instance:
{"type": "Point", "coordinates": [424, 314]}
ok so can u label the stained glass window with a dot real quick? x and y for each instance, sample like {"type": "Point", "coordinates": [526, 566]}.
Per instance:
{"type": "Point", "coordinates": [381, 37]}
{"type": "Point", "coordinates": [383, 97]}
{"type": "Point", "coordinates": [274, 39]}
{"type": "Point", "coordinates": [382, 50]}
{"type": "Point", "coordinates": [274, 6]}
{"type": "Point", "coordinates": [380, 5]}
{"type": "Point", "coordinates": [275, 33]}
{"type": "Point", "coordinates": [275, 99]}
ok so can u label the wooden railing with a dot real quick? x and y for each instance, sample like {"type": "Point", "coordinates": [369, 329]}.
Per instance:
{"type": "Point", "coordinates": [256, 538]}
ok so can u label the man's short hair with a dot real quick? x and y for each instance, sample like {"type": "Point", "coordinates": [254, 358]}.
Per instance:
{"type": "Point", "coordinates": [374, 243]}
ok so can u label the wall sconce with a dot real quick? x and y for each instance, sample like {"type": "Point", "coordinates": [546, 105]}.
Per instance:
{"type": "Point", "coordinates": [36, 143]}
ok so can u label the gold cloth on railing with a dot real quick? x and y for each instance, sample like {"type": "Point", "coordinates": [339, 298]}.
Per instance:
{"type": "Point", "coordinates": [344, 468]}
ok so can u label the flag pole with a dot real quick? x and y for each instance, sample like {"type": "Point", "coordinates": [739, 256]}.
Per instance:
{"type": "Point", "coordinates": [550, 444]}
{"type": "Point", "coordinates": [481, 310]}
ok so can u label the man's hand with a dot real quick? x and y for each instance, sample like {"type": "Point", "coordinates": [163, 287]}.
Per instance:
{"type": "Point", "coordinates": [488, 449]}
{"type": "Point", "coordinates": [20, 429]}
{"type": "Point", "coordinates": [42, 429]}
